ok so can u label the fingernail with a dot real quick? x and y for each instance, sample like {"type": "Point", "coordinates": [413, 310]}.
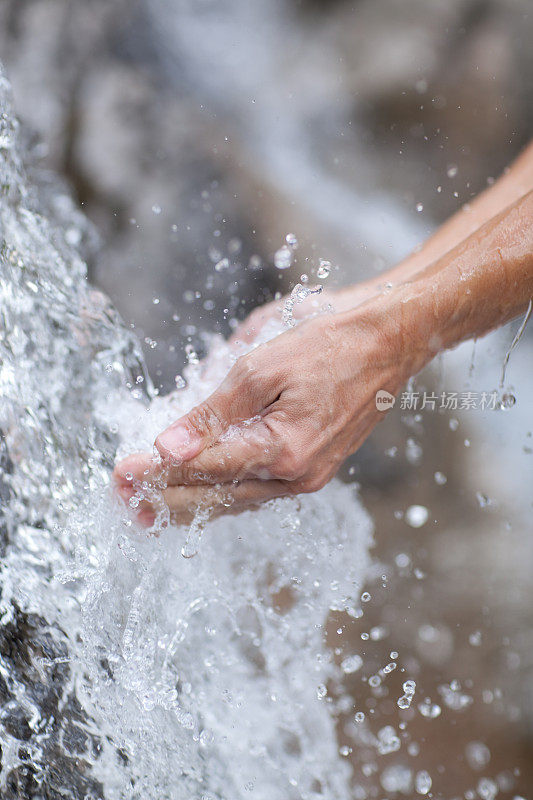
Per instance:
{"type": "Point", "coordinates": [179, 442]}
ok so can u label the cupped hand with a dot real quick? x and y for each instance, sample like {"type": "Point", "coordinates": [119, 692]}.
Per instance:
{"type": "Point", "coordinates": [283, 420]}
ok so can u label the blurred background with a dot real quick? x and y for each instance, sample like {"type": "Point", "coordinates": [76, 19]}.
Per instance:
{"type": "Point", "coordinates": [196, 134]}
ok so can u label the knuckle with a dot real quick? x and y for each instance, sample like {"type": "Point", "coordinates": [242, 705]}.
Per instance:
{"type": "Point", "coordinates": [290, 465]}
{"type": "Point", "coordinates": [310, 483]}
{"type": "Point", "coordinates": [314, 483]}
{"type": "Point", "coordinates": [240, 375]}
{"type": "Point", "coordinates": [191, 473]}
{"type": "Point", "coordinates": [204, 419]}
{"type": "Point", "coordinates": [251, 376]}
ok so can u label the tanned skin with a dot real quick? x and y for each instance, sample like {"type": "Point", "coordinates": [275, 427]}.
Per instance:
{"type": "Point", "coordinates": [313, 387]}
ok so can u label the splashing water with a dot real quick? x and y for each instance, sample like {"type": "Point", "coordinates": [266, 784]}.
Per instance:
{"type": "Point", "coordinates": [507, 399]}
{"type": "Point", "coordinates": [126, 670]}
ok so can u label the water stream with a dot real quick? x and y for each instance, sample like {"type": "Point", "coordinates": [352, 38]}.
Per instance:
{"type": "Point", "coordinates": [126, 670]}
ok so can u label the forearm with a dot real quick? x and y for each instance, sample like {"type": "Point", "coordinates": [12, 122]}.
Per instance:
{"type": "Point", "coordinates": [516, 182]}
{"type": "Point", "coordinates": [484, 282]}
{"type": "Point", "coordinates": [477, 286]}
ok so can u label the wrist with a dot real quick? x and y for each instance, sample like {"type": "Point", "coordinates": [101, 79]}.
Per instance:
{"type": "Point", "coordinates": [399, 338]}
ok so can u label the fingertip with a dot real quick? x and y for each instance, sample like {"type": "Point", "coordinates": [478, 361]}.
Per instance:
{"type": "Point", "coordinates": [122, 475]}
{"type": "Point", "coordinates": [146, 518]}
{"type": "Point", "coordinates": [133, 467]}
{"type": "Point", "coordinates": [178, 443]}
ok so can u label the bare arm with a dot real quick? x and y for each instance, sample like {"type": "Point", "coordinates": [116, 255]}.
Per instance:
{"type": "Point", "coordinates": [312, 389]}
{"type": "Point", "coordinates": [516, 182]}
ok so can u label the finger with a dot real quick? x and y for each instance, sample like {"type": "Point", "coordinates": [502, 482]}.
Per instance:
{"type": "Point", "coordinates": [137, 500]}
{"type": "Point", "coordinates": [184, 502]}
{"type": "Point", "coordinates": [248, 389]}
{"type": "Point", "coordinates": [139, 482]}
{"type": "Point", "coordinates": [244, 452]}
{"type": "Point", "coordinates": [135, 469]}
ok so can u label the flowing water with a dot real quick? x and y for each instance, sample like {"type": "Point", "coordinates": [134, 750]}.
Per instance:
{"type": "Point", "coordinates": [126, 670]}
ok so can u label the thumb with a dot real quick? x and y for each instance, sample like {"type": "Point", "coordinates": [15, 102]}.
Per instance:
{"type": "Point", "coordinates": [231, 403]}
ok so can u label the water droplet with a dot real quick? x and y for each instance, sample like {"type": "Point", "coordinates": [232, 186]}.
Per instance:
{"type": "Point", "coordinates": [429, 710]}
{"type": "Point", "coordinates": [483, 500]}
{"type": "Point", "coordinates": [477, 755]}
{"type": "Point", "coordinates": [156, 209]}
{"type": "Point", "coordinates": [423, 782]}
{"type": "Point", "coordinates": [206, 737]}
{"type": "Point", "coordinates": [413, 452]}
{"type": "Point", "coordinates": [366, 597]}
{"type": "Point", "coordinates": [451, 170]}
{"type": "Point", "coordinates": [191, 354]}
{"type": "Point", "coordinates": [324, 268]}
{"type": "Point", "coordinates": [351, 664]}
{"type": "Point", "coordinates": [419, 207]}
{"type": "Point", "coordinates": [73, 236]}
{"type": "Point", "coordinates": [402, 561]}
{"type": "Point", "coordinates": [397, 778]}
{"type": "Point", "coordinates": [283, 257]}
{"type": "Point", "coordinates": [508, 401]}
{"type": "Point", "coordinates": [416, 516]}
{"type": "Point", "coordinates": [487, 789]}
{"type": "Point", "coordinates": [292, 241]}
{"type": "Point", "coordinates": [440, 478]}
{"type": "Point", "coordinates": [359, 716]}
{"type": "Point", "coordinates": [388, 740]}
{"type": "Point", "coordinates": [453, 697]}
{"type": "Point", "coordinates": [475, 638]}
{"type": "Point", "coordinates": [221, 265]}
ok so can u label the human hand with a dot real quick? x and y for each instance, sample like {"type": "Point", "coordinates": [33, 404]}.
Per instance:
{"type": "Point", "coordinates": [286, 416]}
{"type": "Point", "coordinates": [327, 300]}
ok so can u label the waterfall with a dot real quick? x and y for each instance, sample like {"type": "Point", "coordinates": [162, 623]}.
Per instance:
{"type": "Point", "coordinates": [127, 671]}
